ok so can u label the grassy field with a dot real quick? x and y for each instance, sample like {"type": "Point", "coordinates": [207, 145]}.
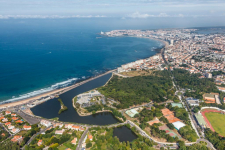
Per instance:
{"type": "Point", "coordinates": [217, 120]}
{"type": "Point", "coordinates": [67, 145]}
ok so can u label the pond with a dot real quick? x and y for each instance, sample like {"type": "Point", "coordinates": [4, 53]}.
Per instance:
{"type": "Point", "coordinates": [124, 134]}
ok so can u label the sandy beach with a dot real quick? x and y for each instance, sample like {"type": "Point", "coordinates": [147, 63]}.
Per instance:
{"type": "Point", "coordinates": [12, 104]}
{"type": "Point", "coordinates": [57, 91]}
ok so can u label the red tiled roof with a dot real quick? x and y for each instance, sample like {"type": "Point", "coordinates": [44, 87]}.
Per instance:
{"type": "Point", "coordinates": [26, 127]}
{"type": "Point", "coordinates": [7, 123]}
{"type": "Point", "coordinates": [19, 121]}
{"type": "Point", "coordinates": [16, 138]}
{"type": "Point", "coordinates": [14, 118]}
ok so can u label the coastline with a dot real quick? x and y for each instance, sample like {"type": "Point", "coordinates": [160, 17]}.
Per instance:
{"type": "Point", "coordinates": [65, 89]}
{"type": "Point", "coordinates": [57, 91]}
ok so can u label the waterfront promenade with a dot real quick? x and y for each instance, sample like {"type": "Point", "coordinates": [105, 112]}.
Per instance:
{"type": "Point", "coordinates": [55, 92]}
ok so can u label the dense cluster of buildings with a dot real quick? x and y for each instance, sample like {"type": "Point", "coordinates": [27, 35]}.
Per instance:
{"type": "Point", "coordinates": [184, 49]}
{"type": "Point", "coordinates": [201, 53]}
{"type": "Point", "coordinates": [154, 62]}
{"type": "Point", "coordinates": [169, 115]}
{"type": "Point", "coordinates": [12, 122]}
{"type": "Point", "coordinates": [192, 101]}
{"type": "Point", "coordinates": [211, 98]}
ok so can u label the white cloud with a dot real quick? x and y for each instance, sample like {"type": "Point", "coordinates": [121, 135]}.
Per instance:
{"type": "Point", "coordinates": [49, 16]}
{"type": "Point", "coordinates": [162, 15]}
{"type": "Point", "coordinates": [139, 15]}
{"type": "Point", "coordinates": [180, 15]}
{"type": "Point", "coordinates": [145, 15]}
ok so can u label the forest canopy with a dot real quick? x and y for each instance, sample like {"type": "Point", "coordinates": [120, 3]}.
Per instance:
{"type": "Point", "coordinates": [139, 89]}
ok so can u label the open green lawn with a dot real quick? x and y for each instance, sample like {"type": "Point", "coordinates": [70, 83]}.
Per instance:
{"type": "Point", "coordinates": [63, 147]}
{"type": "Point", "coordinates": [67, 145]}
{"type": "Point", "coordinates": [217, 120]}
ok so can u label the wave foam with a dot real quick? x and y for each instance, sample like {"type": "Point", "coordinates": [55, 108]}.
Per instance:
{"type": "Point", "coordinates": [44, 90]}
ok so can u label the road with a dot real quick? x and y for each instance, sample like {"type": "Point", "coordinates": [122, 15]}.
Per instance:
{"type": "Point", "coordinates": [186, 106]}
{"type": "Point", "coordinates": [121, 75]}
{"type": "Point", "coordinates": [190, 113]}
{"type": "Point", "coordinates": [79, 146]}
{"type": "Point", "coordinates": [3, 108]}
{"type": "Point", "coordinates": [10, 135]}
{"type": "Point", "coordinates": [148, 104]}
{"type": "Point", "coordinates": [143, 133]}
{"type": "Point", "coordinates": [208, 143]}
{"type": "Point", "coordinates": [33, 137]}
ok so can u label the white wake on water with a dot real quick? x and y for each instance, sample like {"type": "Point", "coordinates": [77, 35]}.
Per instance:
{"type": "Point", "coordinates": [44, 90]}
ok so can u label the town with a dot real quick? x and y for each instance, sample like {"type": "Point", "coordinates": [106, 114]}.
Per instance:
{"type": "Point", "coordinates": [172, 100]}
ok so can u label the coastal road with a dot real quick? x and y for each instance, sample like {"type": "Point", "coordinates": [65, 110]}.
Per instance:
{"type": "Point", "coordinates": [121, 75]}
{"type": "Point", "coordinates": [85, 81]}
{"type": "Point", "coordinates": [79, 146]}
{"type": "Point", "coordinates": [13, 105]}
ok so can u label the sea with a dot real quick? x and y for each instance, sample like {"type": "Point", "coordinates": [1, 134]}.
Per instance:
{"type": "Point", "coordinates": [40, 55]}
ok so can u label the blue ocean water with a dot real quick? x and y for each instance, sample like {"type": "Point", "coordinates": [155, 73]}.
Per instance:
{"type": "Point", "coordinates": [39, 55]}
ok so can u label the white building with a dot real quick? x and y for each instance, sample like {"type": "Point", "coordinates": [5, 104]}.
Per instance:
{"type": "Point", "coordinates": [120, 69]}
{"type": "Point", "coordinates": [171, 42]}
{"type": "Point", "coordinates": [60, 125]}
{"type": "Point", "coordinates": [155, 57]}
{"type": "Point", "coordinates": [208, 75]}
{"type": "Point", "coordinates": [45, 123]}
{"type": "Point", "coordinates": [192, 101]}
{"type": "Point", "coordinates": [15, 130]}
{"type": "Point", "coordinates": [10, 127]}
{"type": "Point", "coordinates": [68, 126]}
{"type": "Point", "coordinates": [59, 131]}
{"type": "Point", "coordinates": [178, 125]}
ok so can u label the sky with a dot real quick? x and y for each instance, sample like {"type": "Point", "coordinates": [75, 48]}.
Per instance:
{"type": "Point", "coordinates": [111, 8]}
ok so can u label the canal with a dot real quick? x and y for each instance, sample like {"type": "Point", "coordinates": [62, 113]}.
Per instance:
{"type": "Point", "coordinates": [50, 108]}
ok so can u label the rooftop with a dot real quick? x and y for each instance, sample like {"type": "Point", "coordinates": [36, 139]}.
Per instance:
{"type": "Point", "coordinates": [200, 119]}
{"type": "Point", "coordinates": [131, 112]}
{"type": "Point", "coordinates": [209, 95]}
{"type": "Point", "coordinates": [177, 104]}
{"type": "Point", "coordinates": [178, 125]}
{"type": "Point", "coordinates": [156, 120]}
{"type": "Point", "coordinates": [191, 98]}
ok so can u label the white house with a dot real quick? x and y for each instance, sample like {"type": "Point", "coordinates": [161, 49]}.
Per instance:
{"type": "Point", "coordinates": [45, 123]}
{"type": "Point", "coordinates": [59, 131]}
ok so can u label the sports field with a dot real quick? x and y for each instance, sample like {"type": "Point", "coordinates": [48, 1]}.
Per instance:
{"type": "Point", "coordinates": [217, 121]}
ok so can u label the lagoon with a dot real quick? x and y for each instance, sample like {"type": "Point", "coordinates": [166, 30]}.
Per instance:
{"type": "Point", "coordinates": [50, 108]}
